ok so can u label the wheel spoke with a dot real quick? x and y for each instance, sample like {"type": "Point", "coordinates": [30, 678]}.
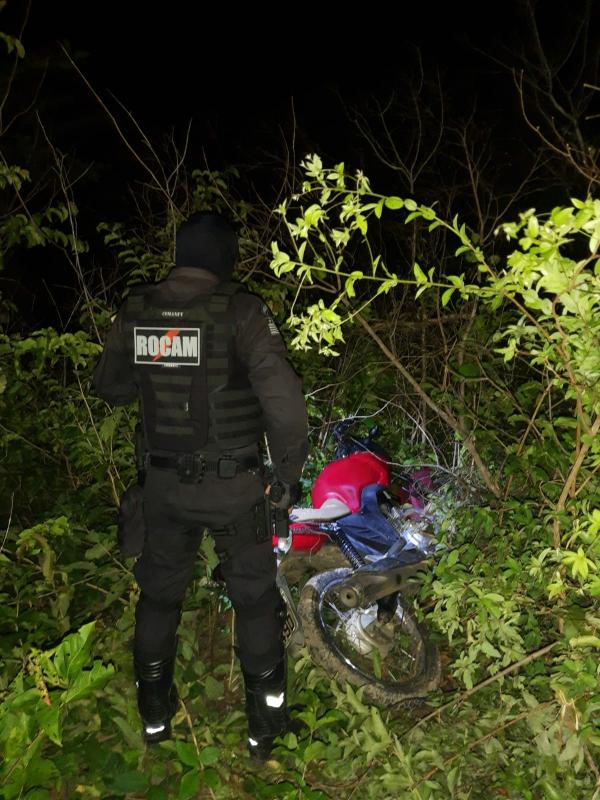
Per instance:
{"type": "Point", "coordinates": [391, 659]}
{"type": "Point", "coordinates": [357, 635]}
{"type": "Point", "coordinates": [340, 616]}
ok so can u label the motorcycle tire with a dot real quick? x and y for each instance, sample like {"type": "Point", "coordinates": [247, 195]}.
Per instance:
{"type": "Point", "coordinates": [342, 658]}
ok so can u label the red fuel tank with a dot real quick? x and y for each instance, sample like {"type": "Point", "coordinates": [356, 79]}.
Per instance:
{"type": "Point", "coordinates": [345, 479]}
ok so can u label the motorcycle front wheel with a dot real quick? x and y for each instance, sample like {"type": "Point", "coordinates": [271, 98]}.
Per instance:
{"type": "Point", "coordinates": [394, 660]}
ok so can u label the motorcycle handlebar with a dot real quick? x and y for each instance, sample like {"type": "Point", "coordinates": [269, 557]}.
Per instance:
{"type": "Point", "coordinates": [347, 444]}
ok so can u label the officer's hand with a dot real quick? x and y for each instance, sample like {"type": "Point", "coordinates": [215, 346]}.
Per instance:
{"type": "Point", "coordinates": [283, 495]}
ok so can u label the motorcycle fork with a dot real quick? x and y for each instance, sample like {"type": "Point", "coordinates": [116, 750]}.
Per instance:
{"type": "Point", "coordinates": [292, 629]}
{"type": "Point", "coordinates": [386, 607]}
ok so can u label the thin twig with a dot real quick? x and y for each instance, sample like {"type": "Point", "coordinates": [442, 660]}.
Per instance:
{"type": "Point", "coordinates": [481, 739]}
{"type": "Point", "coordinates": [593, 767]}
{"type": "Point", "coordinates": [115, 492]}
{"type": "Point", "coordinates": [232, 662]}
{"type": "Point", "coordinates": [113, 119]}
{"type": "Point", "coordinates": [31, 444]}
{"type": "Point", "coordinates": [572, 478]}
{"type": "Point", "coordinates": [444, 413]}
{"type": "Point", "coordinates": [194, 740]}
{"type": "Point", "coordinates": [512, 668]}
{"type": "Point", "coordinates": [12, 501]}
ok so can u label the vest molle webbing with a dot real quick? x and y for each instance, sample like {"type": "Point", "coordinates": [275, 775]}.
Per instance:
{"type": "Point", "coordinates": [194, 392]}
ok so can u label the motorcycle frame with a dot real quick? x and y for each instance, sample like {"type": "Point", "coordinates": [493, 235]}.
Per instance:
{"type": "Point", "coordinates": [389, 574]}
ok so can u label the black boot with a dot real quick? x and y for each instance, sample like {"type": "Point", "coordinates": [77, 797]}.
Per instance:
{"type": "Point", "coordinates": [266, 708]}
{"type": "Point", "coordinates": [157, 697]}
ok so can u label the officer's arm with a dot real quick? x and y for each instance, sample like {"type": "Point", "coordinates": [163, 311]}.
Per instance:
{"type": "Point", "coordinates": [277, 386]}
{"type": "Point", "coordinates": [113, 376]}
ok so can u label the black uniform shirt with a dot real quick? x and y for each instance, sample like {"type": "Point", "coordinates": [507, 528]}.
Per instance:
{"type": "Point", "coordinates": [260, 349]}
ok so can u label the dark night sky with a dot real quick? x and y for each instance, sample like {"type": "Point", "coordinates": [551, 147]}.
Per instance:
{"type": "Point", "coordinates": [235, 72]}
{"type": "Point", "coordinates": [244, 77]}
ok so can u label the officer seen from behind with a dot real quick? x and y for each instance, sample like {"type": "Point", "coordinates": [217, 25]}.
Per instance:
{"type": "Point", "coordinates": [209, 368]}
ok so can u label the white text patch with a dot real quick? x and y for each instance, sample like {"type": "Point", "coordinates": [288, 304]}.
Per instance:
{"type": "Point", "coordinates": [167, 346]}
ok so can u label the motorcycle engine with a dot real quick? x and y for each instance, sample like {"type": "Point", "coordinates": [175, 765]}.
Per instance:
{"type": "Point", "coordinates": [413, 532]}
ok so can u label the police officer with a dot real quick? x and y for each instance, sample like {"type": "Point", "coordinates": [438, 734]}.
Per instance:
{"type": "Point", "coordinates": [208, 365]}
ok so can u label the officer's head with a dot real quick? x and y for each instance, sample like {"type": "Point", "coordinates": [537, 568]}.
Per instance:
{"type": "Point", "coordinates": [207, 241]}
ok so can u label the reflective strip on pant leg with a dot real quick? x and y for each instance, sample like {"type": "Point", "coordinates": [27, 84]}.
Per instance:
{"type": "Point", "coordinates": [275, 700]}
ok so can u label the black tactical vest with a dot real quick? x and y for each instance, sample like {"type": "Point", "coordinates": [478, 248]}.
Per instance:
{"type": "Point", "coordinates": [195, 394]}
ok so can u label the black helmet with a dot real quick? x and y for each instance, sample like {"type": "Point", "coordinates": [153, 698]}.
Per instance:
{"type": "Point", "coordinates": [207, 241]}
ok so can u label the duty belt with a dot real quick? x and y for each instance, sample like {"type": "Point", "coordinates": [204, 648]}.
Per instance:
{"type": "Point", "coordinates": [191, 467]}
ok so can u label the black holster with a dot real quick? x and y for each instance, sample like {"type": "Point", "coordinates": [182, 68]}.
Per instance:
{"type": "Point", "coordinates": [275, 521]}
{"type": "Point", "coordinates": [131, 526]}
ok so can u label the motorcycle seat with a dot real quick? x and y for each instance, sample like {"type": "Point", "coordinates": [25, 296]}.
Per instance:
{"type": "Point", "coordinates": [331, 509]}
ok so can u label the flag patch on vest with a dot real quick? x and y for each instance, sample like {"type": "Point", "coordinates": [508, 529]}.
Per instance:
{"type": "Point", "coordinates": [167, 346]}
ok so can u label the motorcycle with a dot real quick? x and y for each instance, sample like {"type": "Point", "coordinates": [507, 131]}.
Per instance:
{"type": "Point", "coordinates": [356, 618]}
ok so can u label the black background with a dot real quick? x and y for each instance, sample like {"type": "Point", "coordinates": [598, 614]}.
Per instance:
{"type": "Point", "coordinates": [255, 84]}
{"type": "Point", "coordinates": [238, 74]}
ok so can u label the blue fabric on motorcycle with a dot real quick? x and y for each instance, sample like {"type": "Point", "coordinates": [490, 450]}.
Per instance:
{"type": "Point", "coordinates": [368, 530]}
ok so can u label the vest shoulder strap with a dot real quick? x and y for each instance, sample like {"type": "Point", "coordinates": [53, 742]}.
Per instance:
{"type": "Point", "coordinates": [136, 299]}
{"type": "Point", "coordinates": [143, 301]}
{"type": "Point", "coordinates": [222, 294]}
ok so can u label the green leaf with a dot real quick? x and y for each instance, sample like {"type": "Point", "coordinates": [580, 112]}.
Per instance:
{"type": "Point", "coordinates": [209, 755]}
{"type": "Point", "coordinates": [187, 753]}
{"type": "Point", "coordinates": [333, 716]}
{"type": "Point", "coordinates": [313, 215]}
{"type": "Point", "coordinates": [212, 778]}
{"type": "Point", "coordinates": [394, 203]}
{"type": "Point", "coordinates": [315, 751]}
{"type": "Point", "coordinates": [158, 792]}
{"type": "Point", "coordinates": [579, 563]}
{"type": "Point", "coordinates": [362, 224]}
{"type": "Point", "coordinates": [419, 274]}
{"type": "Point", "coordinates": [88, 681]}
{"type": "Point", "coordinates": [74, 652]}
{"type": "Point", "coordinates": [452, 778]}
{"type": "Point", "coordinates": [290, 740]}
{"type": "Point", "coordinates": [349, 284]}
{"type": "Point", "coordinates": [49, 720]}
{"type": "Point", "coordinates": [130, 781]}
{"type": "Point", "coordinates": [377, 666]}
{"type": "Point", "coordinates": [131, 736]}
{"type": "Point", "coordinates": [469, 370]}
{"type": "Point", "coordinates": [447, 295]}
{"type": "Point", "coordinates": [190, 785]}
{"type": "Point", "coordinates": [571, 749]}
{"type": "Point", "coordinates": [379, 728]}
{"type": "Point", "coordinates": [488, 648]}
{"type": "Point", "coordinates": [41, 771]}
{"type": "Point", "coordinates": [354, 698]}
{"type": "Point", "coordinates": [585, 641]}
{"type": "Point", "coordinates": [214, 689]}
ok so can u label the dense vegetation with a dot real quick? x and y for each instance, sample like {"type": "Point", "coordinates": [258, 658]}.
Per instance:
{"type": "Point", "coordinates": [454, 300]}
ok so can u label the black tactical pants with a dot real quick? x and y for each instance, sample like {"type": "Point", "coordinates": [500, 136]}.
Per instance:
{"type": "Point", "coordinates": [176, 515]}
